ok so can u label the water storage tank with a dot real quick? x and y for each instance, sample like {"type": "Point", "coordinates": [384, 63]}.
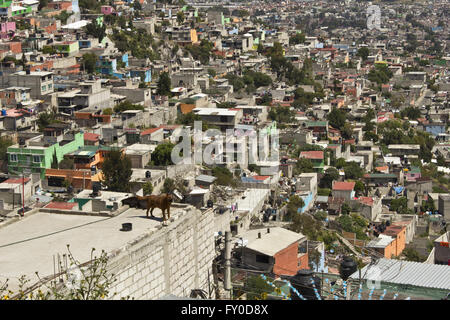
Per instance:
{"type": "Point", "coordinates": [303, 283]}
{"type": "Point", "coordinates": [347, 268]}
{"type": "Point", "coordinates": [3, 112]}
{"type": "Point", "coordinates": [148, 174]}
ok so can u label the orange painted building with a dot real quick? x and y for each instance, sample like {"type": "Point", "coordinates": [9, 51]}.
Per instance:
{"type": "Point", "coordinates": [47, 65]}
{"type": "Point", "coordinates": [79, 179]}
{"type": "Point", "coordinates": [391, 242]}
{"type": "Point", "coordinates": [288, 261]}
{"type": "Point", "coordinates": [274, 249]}
{"type": "Point", "coordinates": [398, 233]}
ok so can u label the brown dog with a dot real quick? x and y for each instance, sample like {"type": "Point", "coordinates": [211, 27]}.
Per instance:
{"type": "Point", "coordinates": [163, 202]}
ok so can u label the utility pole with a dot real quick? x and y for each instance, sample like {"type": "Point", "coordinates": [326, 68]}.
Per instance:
{"type": "Point", "coordinates": [23, 194]}
{"type": "Point", "coordinates": [227, 279]}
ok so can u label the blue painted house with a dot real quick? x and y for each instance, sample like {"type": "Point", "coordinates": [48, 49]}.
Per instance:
{"type": "Point", "coordinates": [434, 128]}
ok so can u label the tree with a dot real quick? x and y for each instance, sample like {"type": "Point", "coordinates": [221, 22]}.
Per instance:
{"type": "Point", "coordinates": [54, 164]}
{"type": "Point", "coordinates": [42, 4]}
{"type": "Point", "coordinates": [147, 188]}
{"type": "Point", "coordinates": [180, 17]}
{"type": "Point", "coordinates": [295, 203]}
{"type": "Point", "coordinates": [303, 165]}
{"type": "Point", "coordinates": [137, 5]}
{"type": "Point", "coordinates": [297, 39]}
{"type": "Point", "coordinates": [66, 163]}
{"type": "Point", "coordinates": [89, 61]}
{"type": "Point", "coordinates": [164, 85]}
{"type": "Point", "coordinates": [117, 171]}
{"type": "Point", "coordinates": [353, 170]}
{"type": "Point", "coordinates": [5, 142]}
{"type": "Point", "coordinates": [340, 163]}
{"type": "Point", "coordinates": [212, 72]}
{"type": "Point", "coordinates": [96, 30]}
{"type": "Point", "coordinates": [363, 53]}
{"type": "Point", "coordinates": [162, 154]}
{"type": "Point", "coordinates": [257, 288]}
{"type": "Point", "coordinates": [63, 16]}
{"type": "Point", "coordinates": [168, 186]}
{"type": "Point", "coordinates": [107, 111]}
{"type": "Point", "coordinates": [224, 176]}
{"type": "Point", "coordinates": [337, 118]}
{"type": "Point", "coordinates": [331, 174]}
{"type": "Point", "coordinates": [359, 187]}
{"type": "Point", "coordinates": [411, 254]}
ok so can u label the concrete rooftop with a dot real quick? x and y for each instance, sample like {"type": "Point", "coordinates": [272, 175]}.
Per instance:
{"type": "Point", "coordinates": [28, 245]}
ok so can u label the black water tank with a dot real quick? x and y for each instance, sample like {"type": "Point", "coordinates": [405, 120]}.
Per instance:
{"type": "Point", "coordinates": [347, 268]}
{"type": "Point", "coordinates": [209, 204]}
{"type": "Point", "coordinates": [148, 174]}
{"type": "Point", "coordinates": [302, 282]}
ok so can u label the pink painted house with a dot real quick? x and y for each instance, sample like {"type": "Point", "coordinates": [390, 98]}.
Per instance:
{"type": "Point", "coordinates": [107, 10]}
{"type": "Point", "coordinates": [7, 29]}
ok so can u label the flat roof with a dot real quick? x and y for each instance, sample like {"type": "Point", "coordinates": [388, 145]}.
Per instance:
{"type": "Point", "coordinates": [381, 242]}
{"type": "Point", "coordinates": [29, 244]}
{"type": "Point", "coordinates": [273, 242]}
{"type": "Point", "coordinates": [404, 146]}
{"type": "Point", "coordinates": [214, 111]}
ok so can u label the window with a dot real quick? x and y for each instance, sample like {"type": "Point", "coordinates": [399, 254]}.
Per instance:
{"type": "Point", "coordinates": [36, 159]}
{"type": "Point", "coordinates": [13, 157]}
{"type": "Point", "coordinates": [262, 258]}
{"type": "Point", "coordinates": [49, 86]}
{"type": "Point", "coordinates": [43, 88]}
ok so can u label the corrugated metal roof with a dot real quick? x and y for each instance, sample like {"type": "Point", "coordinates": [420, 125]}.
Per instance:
{"type": "Point", "coordinates": [408, 273]}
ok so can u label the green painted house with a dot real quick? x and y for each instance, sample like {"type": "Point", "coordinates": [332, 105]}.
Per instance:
{"type": "Point", "coordinates": [37, 156]}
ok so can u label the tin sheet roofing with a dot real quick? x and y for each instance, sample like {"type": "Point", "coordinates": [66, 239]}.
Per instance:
{"type": "Point", "coordinates": [409, 273]}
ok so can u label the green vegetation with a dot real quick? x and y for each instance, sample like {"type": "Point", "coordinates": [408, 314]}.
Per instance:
{"type": "Point", "coordinates": [303, 165]}
{"type": "Point", "coordinates": [393, 132]}
{"type": "Point", "coordinates": [297, 39]}
{"type": "Point", "coordinates": [257, 288]}
{"type": "Point", "coordinates": [117, 171]}
{"type": "Point", "coordinates": [312, 229]}
{"type": "Point", "coordinates": [224, 176]}
{"type": "Point", "coordinates": [411, 254]}
{"type": "Point", "coordinates": [380, 74]}
{"type": "Point", "coordinates": [45, 119]}
{"type": "Point", "coordinates": [95, 30]}
{"type": "Point", "coordinates": [94, 282]}
{"type": "Point", "coordinates": [202, 52]}
{"type": "Point", "coordinates": [162, 154]}
{"type": "Point", "coordinates": [354, 223]}
{"type": "Point", "coordinates": [138, 41]}
{"type": "Point", "coordinates": [164, 85]}
{"type": "Point", "coordinates": [400, 205]}
{"type": "Point", "coordinates": [5, 142]}
{"type": "Point", "coordinates": [353, 170]}
{"type": "Point", "coordinates": [324, 192]}
{"type": "Point", "coordinates": [88, 62]}
{"type": "Point", "coordinates": [295, 202]}
{"type": "Point", "coordinates": [363, 53]}
{"type": "Point", "coordinates": [168, 186]}
{"type": "Point", "coordinates": [337, 118]}
{"type": "Point", "coordinates": [411, 113]}
{"type": "Point", "coordinates": [282, 115]}
{"type": "Point", "coordinates": [331, 174]}
{"type": "Point", "coordinates": [147, 188]}
{"type": "Point", "coordinates": [127, 105]}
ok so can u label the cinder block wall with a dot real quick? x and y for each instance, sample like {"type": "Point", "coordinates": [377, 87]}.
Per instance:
{"type": "Point", "coordinates": [171, 259]}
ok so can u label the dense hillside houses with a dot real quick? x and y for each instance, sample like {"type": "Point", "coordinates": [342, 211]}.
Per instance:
{"type": "Point", "coordinates": [224, 150]}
